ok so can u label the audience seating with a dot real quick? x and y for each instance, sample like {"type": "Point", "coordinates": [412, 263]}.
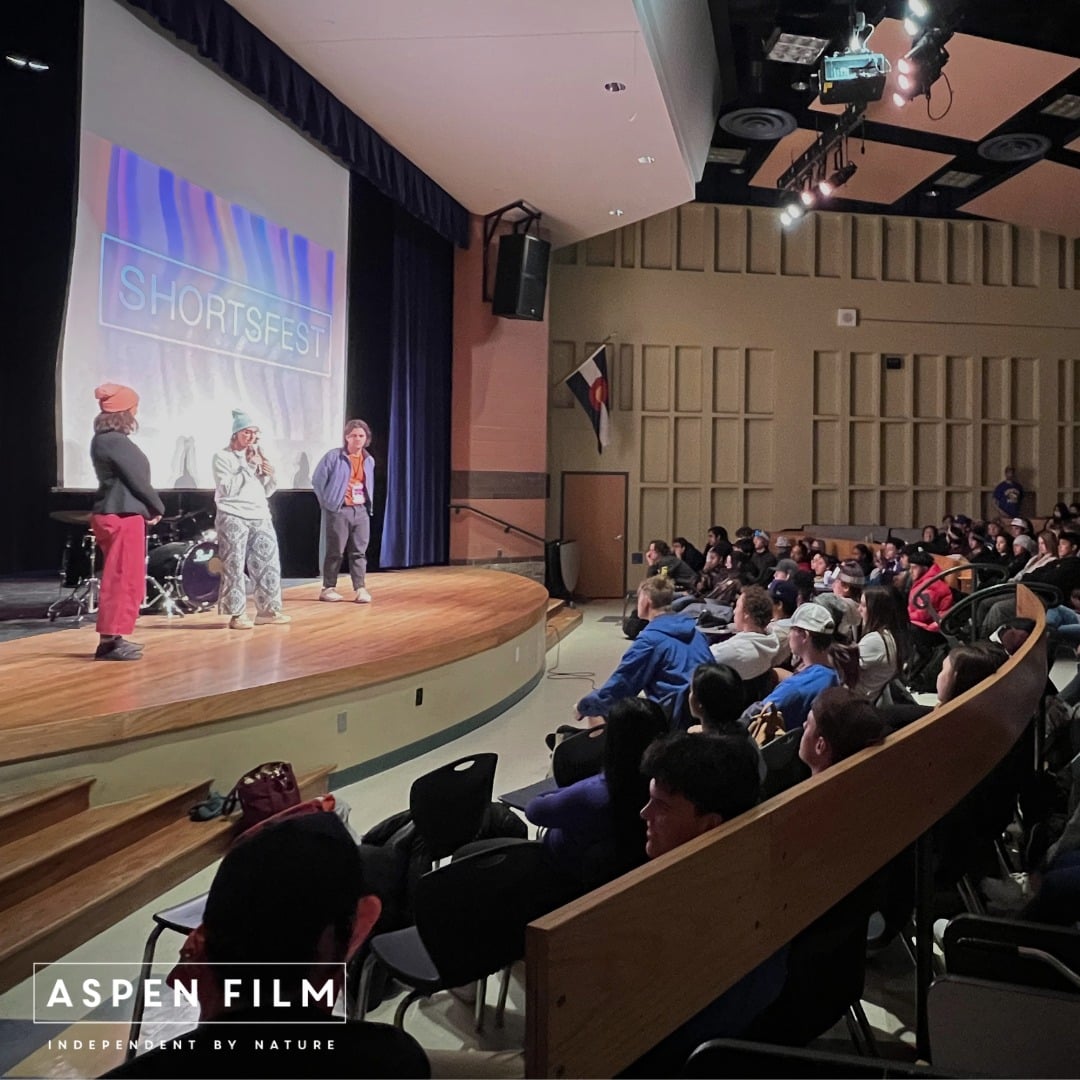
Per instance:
{"type": "Point", "coordinates": [448, 803]}
{"type": "Point", "coordinates": [784, 766]}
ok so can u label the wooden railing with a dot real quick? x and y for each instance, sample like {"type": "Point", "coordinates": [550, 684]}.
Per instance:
{"type": "Point", "coordinates": [611, 974]}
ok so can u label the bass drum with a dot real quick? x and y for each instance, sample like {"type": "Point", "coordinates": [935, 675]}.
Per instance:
{"type": "Point", "coordinates": [190, 572]}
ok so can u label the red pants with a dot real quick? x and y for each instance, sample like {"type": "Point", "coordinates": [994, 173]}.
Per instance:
{"type": "Point", "coordinates": [122, 539]}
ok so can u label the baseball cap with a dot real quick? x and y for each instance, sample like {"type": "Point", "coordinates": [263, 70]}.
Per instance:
{"type": "Point", "coordinates": [813, 617]}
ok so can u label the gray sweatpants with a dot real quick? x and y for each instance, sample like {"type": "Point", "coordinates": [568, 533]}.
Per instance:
{"type": "Point", "coordinates": [346, 529]}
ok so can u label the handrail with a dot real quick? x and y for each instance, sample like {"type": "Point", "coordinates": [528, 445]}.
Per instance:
{"type": "Point", "coordinates": [507, 526]}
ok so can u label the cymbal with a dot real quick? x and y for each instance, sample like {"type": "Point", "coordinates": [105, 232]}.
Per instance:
{"type": "Point", "coordinates": [71, 517]}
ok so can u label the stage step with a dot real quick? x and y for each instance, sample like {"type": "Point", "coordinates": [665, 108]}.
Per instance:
{"type": "Point", "coordinates": [79, 895]}
{"type": "Point", "coordinates": [28, 812]}
{"type": "Point", "coordinates": [560, 621]}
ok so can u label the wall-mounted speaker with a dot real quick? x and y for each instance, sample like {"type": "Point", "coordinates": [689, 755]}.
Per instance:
{"type": "Point", "coordinates": [521, 277]}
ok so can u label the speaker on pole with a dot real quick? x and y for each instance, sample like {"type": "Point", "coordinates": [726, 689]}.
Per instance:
{"type": "Point", "coordinates": [521, 277]}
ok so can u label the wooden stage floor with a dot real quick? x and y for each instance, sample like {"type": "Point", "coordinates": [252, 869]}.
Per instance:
{"type": "Point", "coordinates": [54, 698]}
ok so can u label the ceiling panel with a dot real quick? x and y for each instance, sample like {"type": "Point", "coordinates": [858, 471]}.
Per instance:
{"type": "Point", "coordinates": [1045, 196]}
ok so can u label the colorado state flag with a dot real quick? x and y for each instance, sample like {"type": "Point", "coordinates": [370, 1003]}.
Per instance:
{"type": "Point", "coordinates": [589, 384]}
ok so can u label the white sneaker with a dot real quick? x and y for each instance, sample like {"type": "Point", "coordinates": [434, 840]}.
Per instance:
{"type": "Point", "coordinates": [273, 618]}
{"type": "Point", "coordinates": [240, 622]}
{"type": "Point", "coordinates": [331, 595]}
{"type": "Point", "coordinates": [363, 596]}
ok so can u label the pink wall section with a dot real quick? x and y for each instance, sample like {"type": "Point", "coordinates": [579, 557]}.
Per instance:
{"type": "Point", "coordinates": [499, 410]}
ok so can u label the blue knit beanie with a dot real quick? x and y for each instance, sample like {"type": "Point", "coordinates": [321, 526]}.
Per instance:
{"type": "Point", "coordinates": [241, 420]}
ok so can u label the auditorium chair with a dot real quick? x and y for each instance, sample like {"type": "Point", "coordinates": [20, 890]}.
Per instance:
{"type": "Point", "coordinates": [448, 804]}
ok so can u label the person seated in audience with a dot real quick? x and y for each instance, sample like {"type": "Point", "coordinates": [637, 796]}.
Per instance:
{"type": "Point", "coordinates": [716, 701]}
{"type": "Point", "coordinates": [979, 549]}
{"type": "Point", "coordinates": [886, 563]}
{"type": "Point", "coordinates": [885, 641]}
{"type": "Point", "coordinates": [287, 903]}
{"type": "Point", "coordinates": [594, 831]}
{"type": "Point", "coordinates": [696, 783]}
{"type": "Point", "coordinates": [782, 547]}
{"type": "Point", "coordinates": [966, 666]}
{"type": "Point", "coordinates": [801, 554]}
{"type": "Point", "coordinates": [752, 649]}
{"type": "Point", "coordinates": [1046, 552]}
{"type": "Point", "coordinates": [683, 549]}
{"type": "Point", "coordinates": [928, 600]}
{"type": "Point", "coordinates": [813, 645]}
{"type": "Point", "coordinates": [865, 558]}
{"type": "Point", "coordinates": [716, 535]}
{"type": "Point", "coordinates": [785, 599]}
{"type": "Point", "coordinates": [805, 586]}
{"type": "Point", "coordinates": [763, 560]}
{"type": "Point", "coordinates": [1003, 550]}
{"type": "Point", "coordinates": [1062, 573]}
{"type": "Point", "coordinates": [1060, 518]}
{"type": "Point", "coordinates": [825, 568]}
{"type": "Point", "coordinates": [736, 573]}
{"type": "Point", "coordinates": [933, 541]}
{"type": "Point", "coordinates": [1023, 549]}
{"type": "Point", "coordinates": [661, 561]}
{"type": "Point", "coordinates": [712, 589]}
{"type": "Point", "coordinates": [840, 723]}
{"type": "Point", "coordinates": [848, 586]}
{"type": "Point", "coordinates": [1021, 526]}
{"type": "Point", "coordinates": [784, 570]}
{"type": "Point", "coordinates": [662, 657]}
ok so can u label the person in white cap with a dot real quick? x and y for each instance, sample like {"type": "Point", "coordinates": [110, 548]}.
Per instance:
{"type": "Point", "coordinates": [243, 482]}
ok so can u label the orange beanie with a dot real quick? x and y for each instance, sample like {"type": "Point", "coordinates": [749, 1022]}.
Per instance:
{"type": "Point", "coordinates": [112, 397]}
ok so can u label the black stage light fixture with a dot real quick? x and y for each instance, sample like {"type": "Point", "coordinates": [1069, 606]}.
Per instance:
{"type": "Point", "coordinates": [921, 66]}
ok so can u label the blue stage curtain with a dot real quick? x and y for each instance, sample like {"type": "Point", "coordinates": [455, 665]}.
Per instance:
{"type": "Point", "coordinates": [245, 54]}
{"type": "Point", "coordinates": [416, 530]}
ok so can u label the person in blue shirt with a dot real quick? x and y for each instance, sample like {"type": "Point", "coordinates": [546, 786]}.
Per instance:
{"type": "Point", "coordinates": [1009, 494]}
{"type": "Point", "coordinates": [662, 658]}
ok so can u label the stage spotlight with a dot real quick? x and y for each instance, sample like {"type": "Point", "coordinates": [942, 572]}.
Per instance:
{"type": "Point", "coordinates": [785, 217]}
{"type": "Point", "coordinates": [807, 197]}
{"type": "Point", "coordinates": [911, 27]}
{"type": "Point", "coordinates": [921, 67]}
{"type": "Point", "coordinates": [919, 8]}
{"type": "Point", "coordinates": [825, 188]}
{"type": "Point", "coordinates": [899, 100]}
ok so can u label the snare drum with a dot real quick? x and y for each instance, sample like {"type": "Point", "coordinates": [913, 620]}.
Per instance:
{"type": "Point", "coordinates": [191, 571]}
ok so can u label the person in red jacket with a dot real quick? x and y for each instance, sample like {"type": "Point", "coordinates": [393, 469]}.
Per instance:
{"type": "Point", "coordinates": [928, 600]}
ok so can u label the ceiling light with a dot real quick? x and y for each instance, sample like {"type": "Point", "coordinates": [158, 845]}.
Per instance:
{"type": "Point", "coordinates": [616, 212]}
{"type": "Point", "coordinates": [919, 8]}
{"type": "Point", "coordinates": [16, 61]}
{"type": "Point", "coordinates": [795, 48]}
{"type": "Point", "coordinates": [899, 100]}
{"type": "Point", "coordinates": [37, 65]}
{"type": "Point", "coordinates": [807, 197]}
{"type": "Point", "coordinates": [785, 217]}
{"type": "Point", "coordinates": [911, 27]}
{"type": "Point", "coordinates": [796, 210]}
{"type": "Point", "coordinates": [614, 87]}
{"type": "Point", "coordinates": [726, 155]}
{"type": "Point", "coordinates": [954, 178]}
{"type": "Point", "coordinates": [1067, 107]}
{"type": "Point", "coordinates": [825, 188]}
{"type": "Point", "coordinates": [646, 159]}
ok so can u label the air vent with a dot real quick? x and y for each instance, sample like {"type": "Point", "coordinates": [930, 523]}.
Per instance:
{"type": "Point", "coordinates": [758, 123]}
{"type": "Point", "coordinates": [1020, 146]}
{"type": "Point", "coordinates": [956, 179]}
{"type": "Point", "coordinates": [725, 155]}
{"type": "Point", "coordinates": [1067, 107]}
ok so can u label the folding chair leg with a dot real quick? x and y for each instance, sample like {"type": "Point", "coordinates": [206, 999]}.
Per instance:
{"type": "Point", "coordinates": [403, 1005]}
{"type": "Point", "coordinates": [140, 991]}
{"type": "Point", "coordinates": [358, 1007]}
{"type": "Point", "coordinates": [481, 994]}
{"type": "Point", "coordinates": [970, 896]}
{"type": "Point", "coordinates": [504, 988]}
{"type": "Point", "coordinates": [857, 1022]}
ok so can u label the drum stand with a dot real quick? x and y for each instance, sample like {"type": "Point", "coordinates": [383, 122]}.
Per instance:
{"type": "Point", "coordinates": [156, 593]}
{"type": "Point", "coordinates": [85, 595]}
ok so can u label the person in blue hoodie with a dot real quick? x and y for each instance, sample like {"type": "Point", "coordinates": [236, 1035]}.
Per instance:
{"type": "Point", "coordinates": [662, 658]}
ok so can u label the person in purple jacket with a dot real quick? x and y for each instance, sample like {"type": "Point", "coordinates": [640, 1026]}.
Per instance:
{"type": "Point", "coordinates": [594, 832]}
{"type": "Point", "coordinates": [662, 658]}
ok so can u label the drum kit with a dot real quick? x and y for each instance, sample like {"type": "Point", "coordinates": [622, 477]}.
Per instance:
{"type": "Point", "coordinates": [183, 570]}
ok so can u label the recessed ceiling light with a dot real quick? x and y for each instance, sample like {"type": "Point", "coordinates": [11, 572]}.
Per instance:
{"type": "Point", "coordinates": [614, 87]}
{"type": "Point", "coordinates": [726, 155]}
{"type": "Point", "coordinates": [646, 159]}
{"type": "Point", "coordinates": [16, 61]}
{"type": "Point", "coordinates": [795, 48]}
{"type": "Point", "coordinates": [956, 179]}
{"type": "Point", "coordinates": [616, 212]}
{"type": "Point", "coordinates": [737, 170]}
{"type": "Point", "coordinates": [1067, 107]}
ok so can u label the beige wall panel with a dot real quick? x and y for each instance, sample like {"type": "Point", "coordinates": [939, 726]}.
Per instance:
{"type": "Point", "coordinates": [1072, 484]}
{"type": "Point", "coordinates": [826, 507]}
{"type": "Point", "coordinates": [1064, 449]}
{"type": "Point", "coordinates": [629, 236]}
{"type": "Point", "coordinates": [797, 251]}
{"type": "Point", "coordinates": [996, 452]}
{"type": "Point", "coordinates": [688, 444]}
{"type": "Point", "coordinates": [654, 517]}
{"type": "Point", "coordinates": [658, 241]}
{"type": "Point", "coordinates": [689, 376]}
{"type": "Point", "coordinates": [623, 391]}
{"type": "Point", "coordinates": [1025, 388]}
{"type": "Point", "coordinates": [725, 451]}
{"type": "Point", "coordinates": [1054, 261]}
{"type": "Point", "coordinates": [898, 263]}
{"type": "Point", "coordinates": [565, 256]}
{"type": "Point", "coordinates": [928, 465]}
{"type": "Point", "coordinates": [600, 250]}
{"type": "Point", "coordinates": [995, 387]}
{"type": "Point", "coordinates": [862, 454]}
{"type": "Point", "coordinates": [827, 383]}
{"type": "Point", "coordinates": [895, 506]}
{"type": "Point", "coordinates": [563, 361]}
{"type": "Point", "coordinates": [958, 455]}
{"type": "Point", "coordinates": [726, 507]}
{"type": "Point", "coordinates": [865, 247]}
{"type": "Point", "coordinates": [928, 507]}
{"type": "Point", "coordinates": [761, 377]}
{"type": "Point", "coordinates": [758, 508]}
{"type": "Point", "coordinates": [829, 250]}
{"type": "Point", "coordinates": [730, 239]}
{"type": "Point", "coordinates": [864, 398]}
{"type": "Point", "coordinates": [863, 507]}
{"type": "Point", "coordinates": [763, 244]}
{"type": "Point", "coordinates": [686, 515]}
{"type": "Point", "coordinates": [896, 454]}
{"type": "Point", "coordinates": [961, 265]}
{"type": "Point", "coordinates": [895, 390]}
{"type": "Point", "coordinates": [655, 437]}
{"type": "Point", "coordinates": [997, 257]}
{"type": "Point", "coordinates": [1073, 413]}
{"type": "Point", "coordinates": [958, 387]}
{"type": "Point", "coordinates": [1066, 406]}
{"type": "Point", "coordinates": [692, 223]}
{"type": "Point", "coordinates": [827, 468]}
{"type": "Point", "coordinates": [727, 378]}
{"type": "Point", "coordinates": [931, 251]}
{"type": "Point", "coordinates": [1025, 454]}
{"type": "Point", "coordinates": [1074, 263]}
{"type": "Point", "coordinates": [759, 452]}
{"type": "Point", "coordinates": [656, 378]}
{"type": "Point", "coordinates": [1025, 255]}
{"type": "Point", "coordinates": [928, 385]}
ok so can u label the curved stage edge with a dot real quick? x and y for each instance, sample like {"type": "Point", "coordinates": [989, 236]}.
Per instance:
{"type": "Point", "coordinates": [438, 653]}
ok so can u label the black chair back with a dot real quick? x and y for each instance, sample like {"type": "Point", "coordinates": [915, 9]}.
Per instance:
{"type": "Point", "coordinates": [578, 757]}
{"type": "Point", "coordinates": [448, 804]}
{"type": "Point", "coordinates": [784, 766]}
{"type": "Point", "coordinates": [471, 913]}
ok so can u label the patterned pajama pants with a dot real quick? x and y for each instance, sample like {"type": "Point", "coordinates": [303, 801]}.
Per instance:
{"type": "Point", "coordinates": [251, 544]}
